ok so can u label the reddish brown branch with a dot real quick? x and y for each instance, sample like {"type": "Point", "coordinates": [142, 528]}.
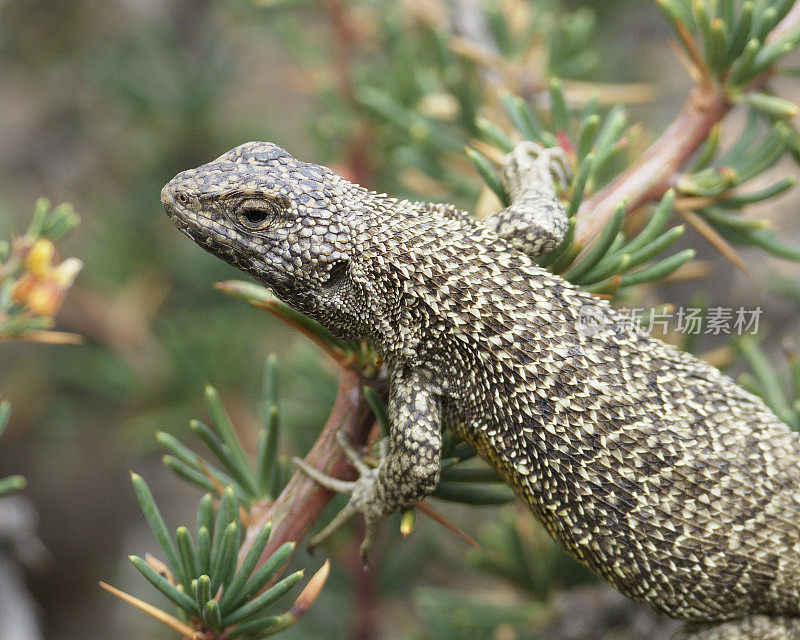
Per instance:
{"type": "Point", "coordinates": [345, 35]}
{"type": "Point", "coordinates": [299, 505]}
{"type": "Point", "coordinates": [649, 177]}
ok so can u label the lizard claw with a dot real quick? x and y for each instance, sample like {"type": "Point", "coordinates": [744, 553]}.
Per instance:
{"type": "Point", "coordinates": [528, 157]}
{"type": "Point", "coordinates": [362, 497]}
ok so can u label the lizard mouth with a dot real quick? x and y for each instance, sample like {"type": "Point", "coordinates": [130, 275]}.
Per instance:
{"type": "Point", "coordinates": [176, 212]}
{"type": "Point", "coordinates": [169, 204]}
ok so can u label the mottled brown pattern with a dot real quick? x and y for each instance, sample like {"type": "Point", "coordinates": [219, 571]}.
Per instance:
{"type": "Point", "coordinates": [651, 467]}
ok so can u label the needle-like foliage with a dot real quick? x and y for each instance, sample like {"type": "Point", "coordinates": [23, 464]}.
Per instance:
{"type": "Point", "coordinates": [261, 480]}
{"type": "Point", "coordinates": [216, 595]}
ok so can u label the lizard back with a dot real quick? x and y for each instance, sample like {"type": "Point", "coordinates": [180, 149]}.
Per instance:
{"type": "Point", "coordinates": [647, 464]}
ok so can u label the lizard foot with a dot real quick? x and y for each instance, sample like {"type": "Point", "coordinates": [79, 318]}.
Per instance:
{"type": "Point", "coordinates": [531, 163]}
{"type": "Point", "coordinates": [535, 220]}
{"type": "Point", "coordinates": [362, 494]}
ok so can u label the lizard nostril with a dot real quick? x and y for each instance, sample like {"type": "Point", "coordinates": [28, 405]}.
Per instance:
{"type": "Point", "coordinates": [182, 198]}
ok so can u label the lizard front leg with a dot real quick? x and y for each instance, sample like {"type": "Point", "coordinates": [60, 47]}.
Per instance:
{"type": "Point", "coordinates": [535, 222]}
{"type": "Point", "coordinates": [408, 470]}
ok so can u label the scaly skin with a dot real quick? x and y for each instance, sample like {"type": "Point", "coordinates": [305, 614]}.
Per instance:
{"type": "Point", "coordinates": [648, 465]}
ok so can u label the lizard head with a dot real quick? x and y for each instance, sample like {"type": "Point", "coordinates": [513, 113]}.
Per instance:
{"type": "Point", "coordinates": [283, 221]}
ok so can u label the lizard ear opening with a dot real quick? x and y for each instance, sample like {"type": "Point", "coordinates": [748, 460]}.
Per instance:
{"type": "Point", "coordinates": [336, 274]}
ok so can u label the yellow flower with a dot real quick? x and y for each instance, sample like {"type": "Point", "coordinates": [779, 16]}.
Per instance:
{"type": "Point", "coordinates": [39, 259]}
{"type": "Point", "coordinates": [41, 289]}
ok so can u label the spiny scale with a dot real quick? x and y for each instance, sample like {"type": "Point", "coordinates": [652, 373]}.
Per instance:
{"type": "Point", "coordinates": [649, 466]}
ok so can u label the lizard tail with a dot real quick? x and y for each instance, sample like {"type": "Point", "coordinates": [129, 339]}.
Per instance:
{"type": "Point", "coordinates": [756, 627]}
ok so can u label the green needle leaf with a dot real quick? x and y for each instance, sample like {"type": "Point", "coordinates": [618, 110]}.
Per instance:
{"type": "Point", "coordinates": [709, 148]}
{"type": "Point", "coordinates": [587, 134]}
{"type": "Point", "coordinates": [187, 554]}
{"type": "Point", "coordinates": [268, 441]}
{"type": "Point", "coordinates": [768, 379]}
{"type": "Point", "coordinates": [224, 563]}
{"type": "Point", "coordinates": [228, 513]}
{"type": "Point", "coordinates": [241, 474]}
{"type": "Point", "coordinates": [656, 223]}
{"type": "Point", "coordinates": [222, 422]}
{"type": "Point", "coordinates": [716, 45]}
{"type": "Point", "coordinates": [771, 105]}
{"type": "Point", "coordinates": [585, 169]}
{"type": "Point", "coordinates": [606, 269]}
{"type": "Point", "coordinates": [657, 271]}
{"type": "Point", "coordinates": [204, 550]}
{"type": "Point", "coordinates": [523, 117]}
{"type": "Point", "coordinates": [489, 175]}
{"type": "Point", "coordinates": [258, 604]}
{"type": "Point", "coordinates": [764, 20]}
{"type": "Point", "coordinates": [770, 53]}
{"type": "Point", "coordinates": [566, 259]}
{"type": "Point", "coordinates": [678, 13]}
{"type": "Point", "coordinates": [462, 451]}
{"type": "Point", "coordinates": [656, 247]}
{"type": "Point", "coordinates": [494, 135]}
{"type": "Point", "coordinates": [187, 473]}
{"type": "Point", "coordinates": [794, 367]}
{"type": "Point", "coordinates": [761, 194]}
{"type": "Point", "coordinates": [766, 240]}
{"type": "Point", "coordinates": [478, 474]}
{"type": "Point", "coordinates": [205, 513]}
{"type": "Point", "coordinates": [263, 627]}
{"type": "Point", "coordinates": [742, 69]}
{"type": "Point", "coordinates": [736, 220]}
{"type": "Point", "coordinates": [235, 589]}
{"type": "Point", "coordinates": [203, 591]}
{"type": "Point", "coordinates": [612, 130]}
{"type": "Point", "coordinates": [164, 586]}
{"type": "Point", "coordinates": [224, 427]}
{"type": "Point", "coordinates": [702, 18]}
{"type": "Point", "coordinates": [767, 154]}
{"type": "Point", "coordinates": [740, 34]}
{"type": "Point", "coordinates": [211, 615]}
{"type": "Point", "coordinates": [265, 573]}
{"type": "Point", "coordinates": [599, 250]}
{"type": "Point", "coordinates": [748, 382]}
{"type": "Point", "coordinates": [179, 450]}
{"type": "Point", "coordinates": [156, 522]}
{"type": "Point", "coordinates": [559, 107]}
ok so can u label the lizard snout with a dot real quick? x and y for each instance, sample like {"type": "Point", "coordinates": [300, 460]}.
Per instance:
{"type": "Point", "coordinates": [175, 197]}
{"type": "Point", "coordinates": [166, 198]}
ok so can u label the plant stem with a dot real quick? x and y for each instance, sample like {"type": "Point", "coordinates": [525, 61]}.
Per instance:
{"type": "Point", "coordinates": [297, 508]}
{"type": "Point", "coordinates": [647, 179]}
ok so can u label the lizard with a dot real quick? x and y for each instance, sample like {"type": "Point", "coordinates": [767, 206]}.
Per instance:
{"type": "Point", "coordinates": [649, 466]}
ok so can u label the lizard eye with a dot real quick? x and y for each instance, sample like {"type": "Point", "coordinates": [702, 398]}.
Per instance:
{"type": "Point", "coordinates": [257, 215]}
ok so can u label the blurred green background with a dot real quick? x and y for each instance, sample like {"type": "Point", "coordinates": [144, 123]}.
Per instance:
{"type": "Point", "coordinates": [100, 104]}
